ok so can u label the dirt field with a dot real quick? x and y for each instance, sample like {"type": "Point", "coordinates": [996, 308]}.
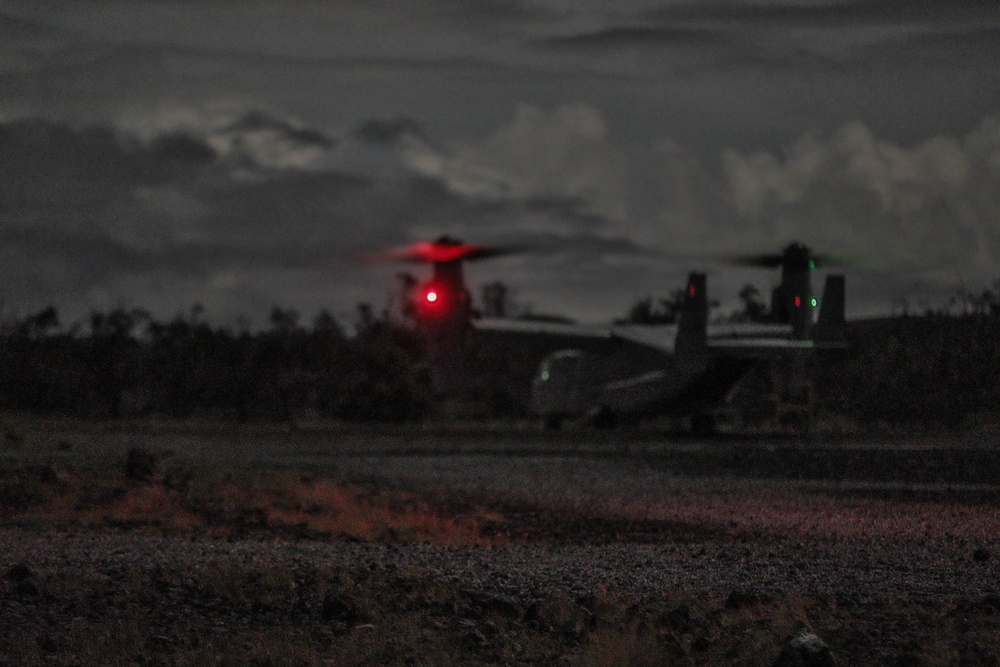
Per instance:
{"type": "Point", "coordinates": [494, 545]}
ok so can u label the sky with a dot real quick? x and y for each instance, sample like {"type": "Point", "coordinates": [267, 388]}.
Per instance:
{"type": "Point", "coordinates": [245, 154]}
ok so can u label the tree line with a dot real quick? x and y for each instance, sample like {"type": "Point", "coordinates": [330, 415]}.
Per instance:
{"type": "Point", "coordinates": [126, 363]}
{"type": "Point", "coordinates": [939, 367]}
{"type": "Point", "coordinates": [932, 369]}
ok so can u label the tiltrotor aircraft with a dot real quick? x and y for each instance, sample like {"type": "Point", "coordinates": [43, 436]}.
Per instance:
{"type": "Point", "coordinates": [621, 371]}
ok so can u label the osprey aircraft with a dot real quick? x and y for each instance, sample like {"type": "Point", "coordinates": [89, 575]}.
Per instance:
{"type": "Point", "coordinates": [622, 371]}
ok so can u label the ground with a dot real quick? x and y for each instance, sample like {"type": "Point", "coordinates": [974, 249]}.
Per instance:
{"type": "Point", "coordinates": [161, 543]}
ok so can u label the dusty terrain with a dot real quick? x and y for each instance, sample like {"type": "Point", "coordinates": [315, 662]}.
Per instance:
{"type": "Point", "coordinates": [495, 546]}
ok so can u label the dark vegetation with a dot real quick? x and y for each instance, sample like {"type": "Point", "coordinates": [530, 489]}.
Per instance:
{"type": "Point", "coordinates": [929, 370]}
{"type": "Point", "coordinates": [125, 363]}
{"type": "Point", "coordinates": [939, 368]}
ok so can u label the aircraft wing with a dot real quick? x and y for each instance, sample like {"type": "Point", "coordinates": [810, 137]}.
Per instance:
{"type": "Point", "coordinates": [754, 347]}
{"type": "Point", "coordinates": [744, 339]}
{"type": "Point", "coordinates": [760, 347]}
{"type": "Point", "coordinates": [662, 337]}
{"type": "Point", "coordinates": [748, 331]}
{"type": "Point", "coordinates": [693, 333]}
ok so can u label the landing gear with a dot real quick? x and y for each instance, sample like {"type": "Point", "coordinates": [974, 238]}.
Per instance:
{"type": "Point", "coordinates": [703, 425]}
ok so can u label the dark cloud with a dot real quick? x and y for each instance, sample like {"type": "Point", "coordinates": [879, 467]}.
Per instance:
{"type": "Point", "coordinates": [101, 205]}
{"type": "Point", "coordinates": [94, 213]}
{"type": "Point", "coordinates": [74, 173]}
{"type": "Point", "coordinates": [14, 28]}
{"type": "Point", "coordinates": [831, 35]}
{"type": "Point", "coordinates": [575, 246]}
{"type": "Point", "coordinates": [389, 131]}
{"type": "Point", "coordinates": [640, 37]}
{"type": "Point", "coordinates": [573, 209]}
{"type": "Point", "coordinates": [181, 147]}
{"type": "Point", "coordinates": [484, 13]}
{"type": "Point", "coordinates": [966, 47]}
{"type": "Point", "coordinates": [302, 217]}
{"type": "Point", "coordinates": [834, 13]}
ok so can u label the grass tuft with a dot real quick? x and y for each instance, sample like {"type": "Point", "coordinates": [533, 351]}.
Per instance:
{"type": "Point", "coordinates": [181, 501]}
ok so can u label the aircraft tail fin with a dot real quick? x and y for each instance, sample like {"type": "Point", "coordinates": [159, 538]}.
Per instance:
{"type": "Point", "coordinates": [693, 324]}
{"type": "Point", "coordinates": [829, 328]}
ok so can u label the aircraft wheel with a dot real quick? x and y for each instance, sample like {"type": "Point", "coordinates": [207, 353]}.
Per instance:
{"type": "Point", "coordinates": [702, 425]}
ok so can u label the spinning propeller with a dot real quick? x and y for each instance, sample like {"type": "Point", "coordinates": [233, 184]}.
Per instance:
{"type": "Point", "coordinates": [444, 299]}
{"type": "Point", "coordinates": [442, 305]}
{"type": "Point", "coordinates": [794, 257]}
{"type": "Point", "coordinates": [443, 251]}
{"type": "Point", "coordinates": [792, 301]}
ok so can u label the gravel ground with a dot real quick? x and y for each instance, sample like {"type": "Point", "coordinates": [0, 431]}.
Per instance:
{"type": "Point", "coordinates": [577, 526]}
{"type": "Point", "coordinates": [927, 569]}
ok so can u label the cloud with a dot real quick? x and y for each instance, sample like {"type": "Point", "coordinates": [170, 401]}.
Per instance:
{"type": "Point", "coordinates": [930, 208]}
{"type": "Point", "coordinates": [382, 131]}
{"type": "Point", "coordinates": [829, 37]}
{"type": "Point", "coordinates": [238, 135]}
{"type": "Point", "coordinates": [76, 174]}
{"type": "Point", "coordinates": [241, 210]}
{"type": "Point", "coordinates": [563, 153]}
{"type": "Point", "coordinates": [84, 210]}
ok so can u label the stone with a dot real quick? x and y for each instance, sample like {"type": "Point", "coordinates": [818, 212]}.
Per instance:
{"type": "Point", "coordinates": [805, 649]}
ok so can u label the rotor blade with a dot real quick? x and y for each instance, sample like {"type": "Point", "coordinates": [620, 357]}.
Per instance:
{"type": "Point", "coordinates": [826, 260]}
{"type": "Point", "coordinates": [486, 252]}
{"type": "Point", "coordinates": [425, 252]}
{"type": "Point", "coordinates": [765, 260]}
{"type": "Point", "coordinates": [775, 260]}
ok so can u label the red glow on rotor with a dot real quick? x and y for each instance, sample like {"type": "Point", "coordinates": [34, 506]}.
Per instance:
{"type": "Point", "coordinates": [440, 252]}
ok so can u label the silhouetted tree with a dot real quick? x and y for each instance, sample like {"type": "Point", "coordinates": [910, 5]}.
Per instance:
{"type": "Point", "coordinates": [663, 311]}
{"type": "Point", "coordinates": [113, 359]}
{"type": "Point", "coordinates": [41, 323]}
{"type": "Point", "coordinates": [753, 307]}
{"type": "Point", "coordinates": [496, 299]}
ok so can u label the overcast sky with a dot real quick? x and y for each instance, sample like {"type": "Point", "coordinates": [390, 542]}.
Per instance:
{"type": "Point", "coordinates": [241, 154]}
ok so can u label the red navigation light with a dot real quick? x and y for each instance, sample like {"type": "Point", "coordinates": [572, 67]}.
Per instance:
{"type": "Point", "coordinates": [440, 301]}
{"type": "Point", "coordinates": [691, 290]}
{"type": "Point", "coordinates": [433, 301]}
{"type": "Point", "coordinates": [798, 301]}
